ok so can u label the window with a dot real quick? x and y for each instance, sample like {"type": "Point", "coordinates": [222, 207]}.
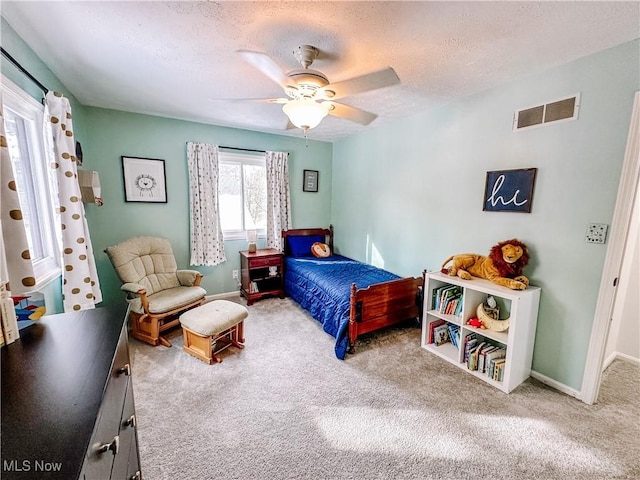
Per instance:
{"type": "Point", "coordinates": [242, 191]}
{"type": "Point", "coordinates": [23, 121]}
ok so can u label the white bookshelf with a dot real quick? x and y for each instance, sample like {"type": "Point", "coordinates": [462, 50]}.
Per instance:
{"type": "Point", "coordinates": [520, 305]}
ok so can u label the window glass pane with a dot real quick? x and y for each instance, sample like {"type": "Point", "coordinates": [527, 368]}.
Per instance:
{"type": "Point", "coordinates": [242, 190]}
{"type": "Point", "coordinates": [30, 159]}
{"type": "Point", "coordinates": [255, 197]}
{"type": "Point", "coordinates": [18, 132]}
{"type": "Point", "coordinates": [230, 196]}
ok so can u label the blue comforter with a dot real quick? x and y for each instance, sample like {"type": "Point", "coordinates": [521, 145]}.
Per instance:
{"type": "Point", "coordinates": [322, 287]}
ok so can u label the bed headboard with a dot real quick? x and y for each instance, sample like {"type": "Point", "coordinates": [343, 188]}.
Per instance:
{"type": "Point", "coordinates": [327, 232]}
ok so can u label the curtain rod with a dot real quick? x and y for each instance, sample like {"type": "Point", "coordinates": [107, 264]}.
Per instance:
{"type": "Point", "coordinates": [241, 149]}
{"type": "Point", "coordinates": [23, 70]}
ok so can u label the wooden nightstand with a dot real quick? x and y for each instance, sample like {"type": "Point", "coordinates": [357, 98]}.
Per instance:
{"type": "Point", "coordinates": [262, 274]}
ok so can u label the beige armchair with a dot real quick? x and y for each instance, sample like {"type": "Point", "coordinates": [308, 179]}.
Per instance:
{"type": "Point", "coordinates": [156, 290]}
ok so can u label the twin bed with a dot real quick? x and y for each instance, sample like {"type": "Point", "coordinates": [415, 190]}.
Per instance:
{"type": "Point", "coordinates": [349, 298]}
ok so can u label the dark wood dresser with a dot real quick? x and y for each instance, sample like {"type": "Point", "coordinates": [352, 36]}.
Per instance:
{"type": "Point", "coordinates": [67, 400]}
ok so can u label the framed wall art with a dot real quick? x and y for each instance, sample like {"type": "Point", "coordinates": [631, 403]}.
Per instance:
{"type": "Point", "coordinates": [144, 180]}
{"type": "Point", "coordinates": [310, 181]}
{"type": "Point", "coordinates": [509, 190]}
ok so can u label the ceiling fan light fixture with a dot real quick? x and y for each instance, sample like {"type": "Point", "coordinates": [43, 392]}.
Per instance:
{"type": "Point", "coordinates": [306, 113]}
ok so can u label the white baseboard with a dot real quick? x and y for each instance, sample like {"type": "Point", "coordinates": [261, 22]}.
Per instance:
{"type": "Point", "coordinates": [561, 387]}
{"type": "Point", "coordinates": [619, 356]}
{"type": "Point", "coordinates": [608, 361]}
{"type": "Point", "coordinates": [221, 296]}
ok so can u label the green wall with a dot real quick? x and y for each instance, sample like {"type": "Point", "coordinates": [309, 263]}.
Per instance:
{"type": "Point", "coordinates": [112, 134]}
{"type": "Point", "coordinates": [409, 193]}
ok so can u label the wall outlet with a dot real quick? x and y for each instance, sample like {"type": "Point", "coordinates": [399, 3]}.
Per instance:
{"type": "Point", "coordinates": [234, 274]}
{"type": "Point", "coordinates": [596, 233]}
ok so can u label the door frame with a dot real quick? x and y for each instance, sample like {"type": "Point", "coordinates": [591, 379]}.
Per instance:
{"type": "Point", "coordinates": [629, 181]}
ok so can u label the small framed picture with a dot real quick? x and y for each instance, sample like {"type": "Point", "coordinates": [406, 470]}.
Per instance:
{"type": "Point", "coordinates": [144, 180]}
{"type": "Point", "coordinates": [310, 181]}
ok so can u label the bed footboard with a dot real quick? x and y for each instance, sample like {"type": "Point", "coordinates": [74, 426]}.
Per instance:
{"type": "Point", "coordinates": [383, 304]}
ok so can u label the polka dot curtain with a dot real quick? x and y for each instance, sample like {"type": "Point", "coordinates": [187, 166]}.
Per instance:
{"type": "Point", "coordinates": [278, 198]}
{"type": "Point", "coordinates": [16, 270]}
{"type": "Point", "coordinates": [81, 288]}
{"type": "Point", "coordinates": [207, 244]}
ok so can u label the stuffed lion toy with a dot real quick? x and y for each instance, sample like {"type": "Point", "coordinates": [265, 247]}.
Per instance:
{"type": "Point", "coordinates": [503, 266]}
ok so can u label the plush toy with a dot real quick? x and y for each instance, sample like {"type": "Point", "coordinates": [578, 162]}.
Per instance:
{"type": "Point", "coordinates": [321, 250]}
{"type": "Point", "coordinates": [475, 322]}
{"type": "Point", "coordinates": [503, 266]}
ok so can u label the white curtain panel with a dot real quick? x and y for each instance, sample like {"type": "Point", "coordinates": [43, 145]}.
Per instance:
{"type": "Point", "coordinates": [15, 260]}
{"type": "Point", "coordinates": [278, 198]}
{"type": "Point", "coordinates": [207, 244]}
{"type": "Point", "coordinates": [80, 286]}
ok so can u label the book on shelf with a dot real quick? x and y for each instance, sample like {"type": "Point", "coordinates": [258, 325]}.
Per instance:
{"type": "Point", "coordinates": [454, 334]}
{"type": "Point", "coordinates": [472, 358]}
{"type": "Point", "coordinates": [433, 325]}
{"type": "Point", "coordinates": [458, 311]}
{"type": "Point", "coordinates": [446, 299]}
{"type": "Point", "coordinates": [498, 369]}
{"type": "Point", "coordinates": [491, 358]}
{"type": "Point", "coordinates": [482, 356]}
{"type": "Point", "coordinates": [472, 361]}
{"type": "Point", "coordinates": [441, 293]}
{"type": "Point", "coordinates": [470, 341]}
{"type": "Point", "coordinates": [441, 334]}
{"type": "Point", "coordinates": [10, 331]}
{"type": "Point", "coordinates": [436, 295]}
{"type": "Point", "coordinates": [452, 305]}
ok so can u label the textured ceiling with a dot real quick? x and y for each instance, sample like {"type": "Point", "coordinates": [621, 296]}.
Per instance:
{"type": "Point", "coordinates": [178, 59]}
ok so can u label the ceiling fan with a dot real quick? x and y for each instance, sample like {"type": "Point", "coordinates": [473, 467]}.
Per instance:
{"type": "Point", "coordinates": [311, 96]}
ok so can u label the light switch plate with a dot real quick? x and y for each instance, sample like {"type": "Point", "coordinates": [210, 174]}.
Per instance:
{"type": "Point", "coordinates": [596, 233]}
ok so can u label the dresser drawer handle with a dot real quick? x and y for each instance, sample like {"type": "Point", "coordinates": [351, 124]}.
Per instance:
{"type": "Point", "coordinates": [114, 446]}
{"type": "Point", "coordinates": [126, 370]}
{"type": "Point", "coordinates": [131, 422]}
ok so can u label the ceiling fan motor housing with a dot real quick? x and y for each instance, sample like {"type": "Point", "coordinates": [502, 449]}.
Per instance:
{"type": "Point", "coordinates": [306, 82]}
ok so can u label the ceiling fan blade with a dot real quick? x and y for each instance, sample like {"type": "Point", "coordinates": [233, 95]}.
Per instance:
{"type": "Point", "coordinates": [266, 65]}
{"type": "Point", "coordinates": [363, 83]}
{"type": "Point", "coordinates": [250, 100]}
{"type": "Point", "coordinates": [352, 113]}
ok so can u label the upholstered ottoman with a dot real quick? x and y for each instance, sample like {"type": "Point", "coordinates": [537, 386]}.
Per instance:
{"type": "Point", "coordinates": [213, 323]}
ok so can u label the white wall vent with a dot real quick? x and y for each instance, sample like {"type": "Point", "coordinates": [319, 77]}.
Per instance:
{"type": "Point", "coordinates": [562, 109]}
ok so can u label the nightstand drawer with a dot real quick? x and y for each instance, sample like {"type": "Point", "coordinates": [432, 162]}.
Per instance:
{"type": "Point", "coordinates": [264, 262]}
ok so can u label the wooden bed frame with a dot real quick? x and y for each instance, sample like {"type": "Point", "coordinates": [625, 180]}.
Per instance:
{"type": "Point", "coordinates": [377, 306]}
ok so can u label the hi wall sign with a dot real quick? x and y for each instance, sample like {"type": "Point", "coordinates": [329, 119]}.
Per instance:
{"type": "Point", "coordinates": [509, 190]}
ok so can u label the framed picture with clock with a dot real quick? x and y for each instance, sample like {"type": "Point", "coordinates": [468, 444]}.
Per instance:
{"type": "Point", "coordinates": [144, 180]}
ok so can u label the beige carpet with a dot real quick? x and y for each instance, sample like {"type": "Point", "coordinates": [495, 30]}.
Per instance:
{"type": "Point", "coordinates": [286, 408]}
